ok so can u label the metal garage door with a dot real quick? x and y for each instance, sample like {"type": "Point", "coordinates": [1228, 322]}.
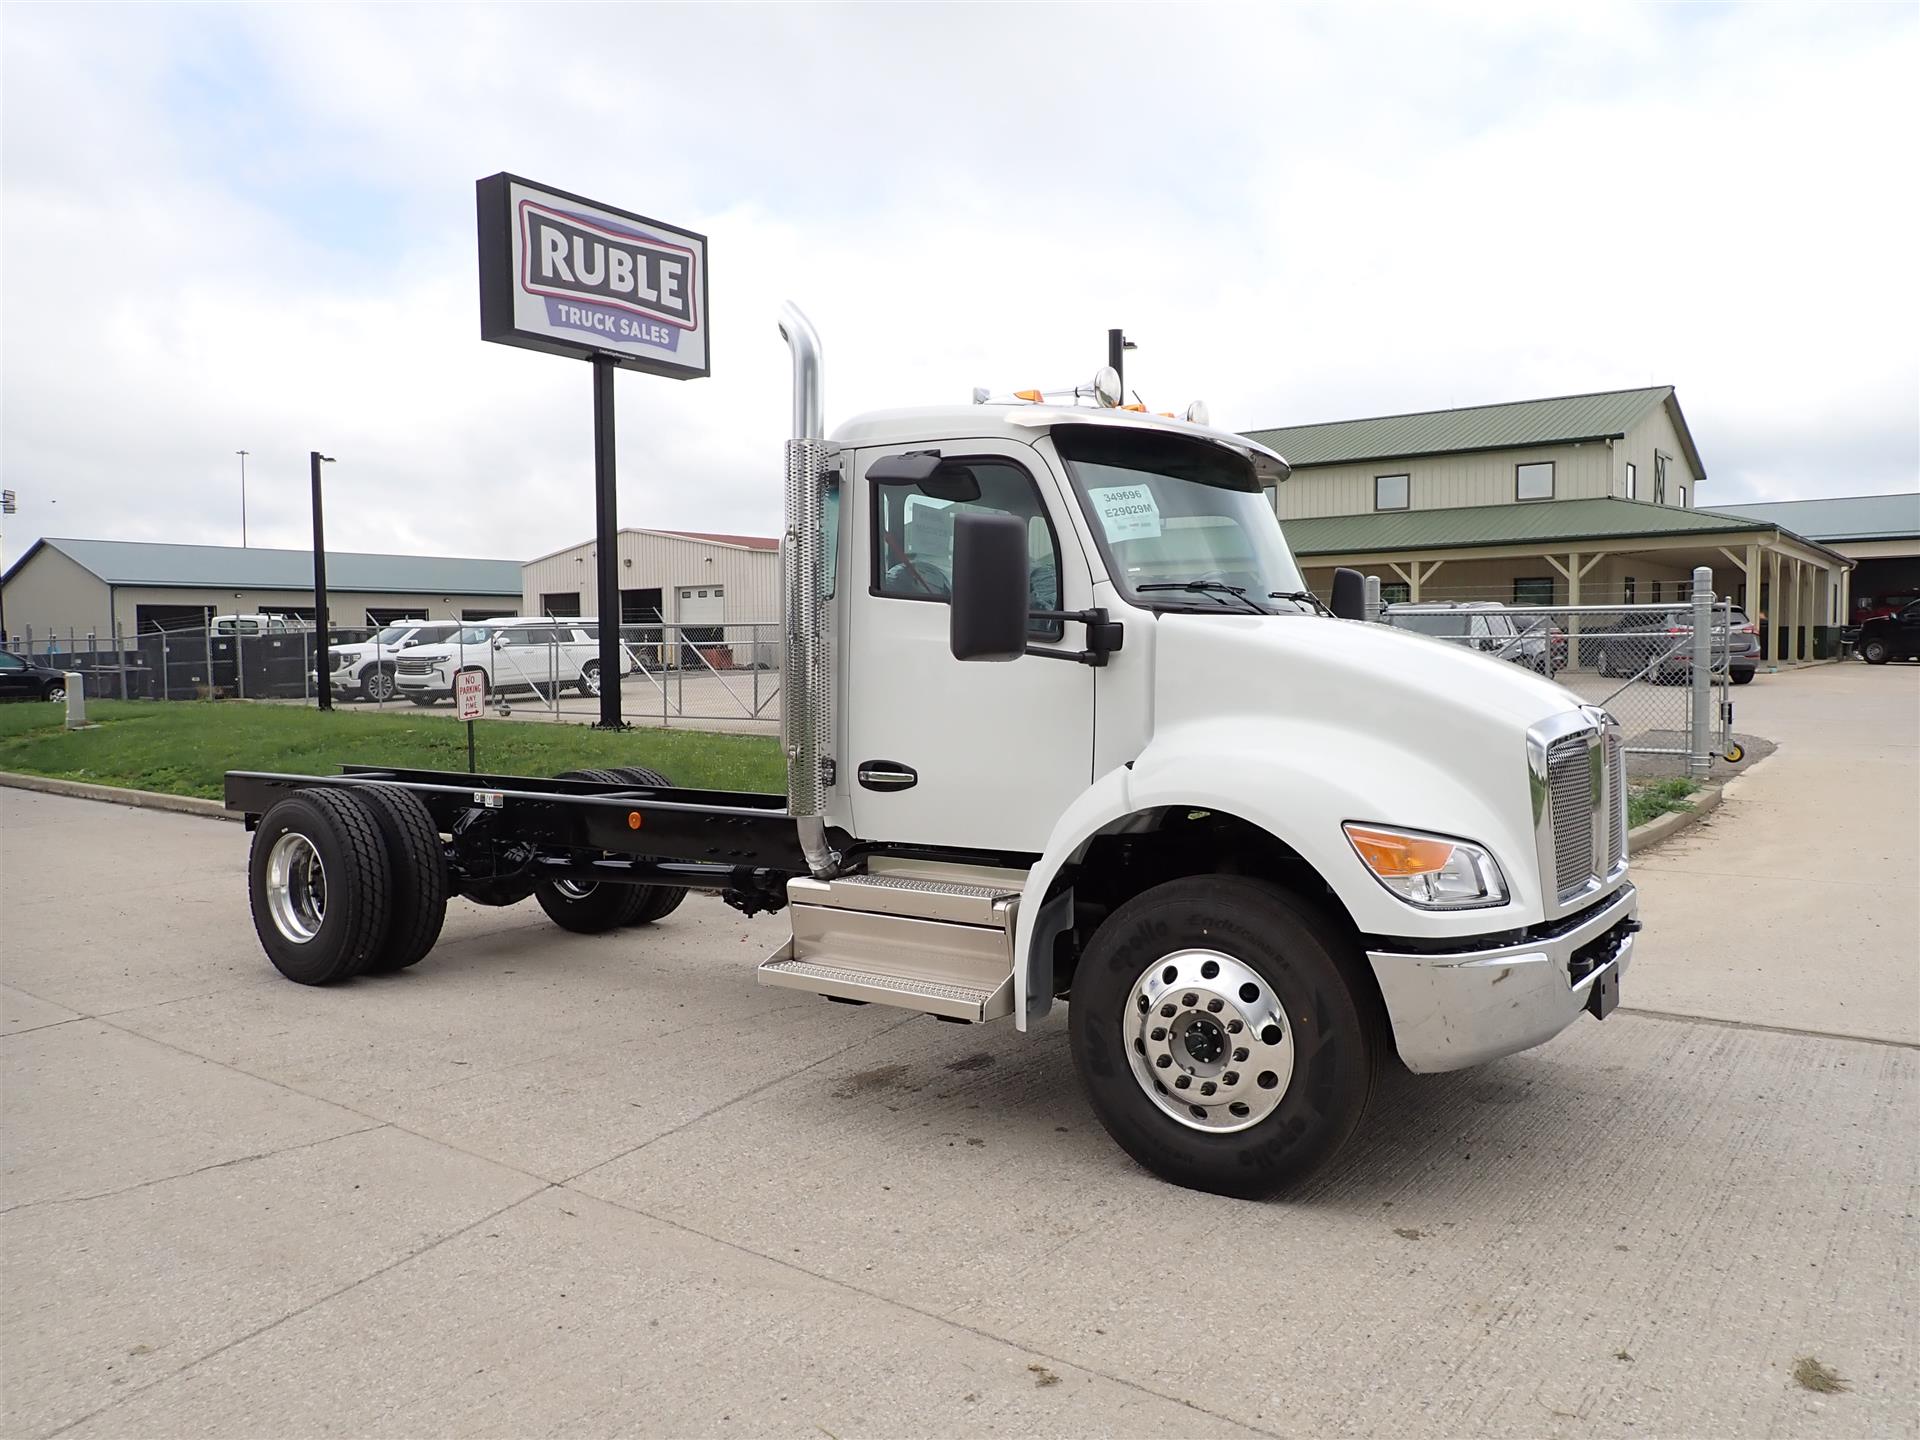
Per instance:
{"type": "Point", "coordinates": [702, 605]}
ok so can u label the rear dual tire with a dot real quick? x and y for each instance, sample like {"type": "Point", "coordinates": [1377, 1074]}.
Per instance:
{"type": "Point", "coordinates": [346, 882]}
{"type": "Point", "coordinates": [593, 908]}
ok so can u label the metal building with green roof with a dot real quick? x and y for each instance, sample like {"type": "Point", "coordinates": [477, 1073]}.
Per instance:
{"type": "Point", "coordinates": [1572, 499]}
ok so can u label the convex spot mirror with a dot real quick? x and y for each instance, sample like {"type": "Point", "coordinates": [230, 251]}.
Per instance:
{"type": "Point", "coordinates": [987, 616]}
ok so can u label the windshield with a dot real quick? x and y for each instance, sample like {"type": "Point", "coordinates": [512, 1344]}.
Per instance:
{"type": "Point", "coordinates": [1181, 520]}
{"type": "Point", "coordinates": [471, 635]}
{"type": "Point", "coordinates": [393, 635]}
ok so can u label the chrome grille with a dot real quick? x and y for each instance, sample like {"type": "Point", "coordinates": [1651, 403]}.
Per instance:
{"type": "Point", "coordinates": [414, 667]}
{"type": "Point", "coordinates": [1570, 783]}
{"type": "Point", "coordinates": [1616, 801]}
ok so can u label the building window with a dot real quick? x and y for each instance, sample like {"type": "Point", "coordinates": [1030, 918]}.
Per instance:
{"type": "Point", "coordinates": [566, 602]}
{"type": "Point", "coordinates": [1633, 481]}
{"type": "Point", "coordinates": [1659, 478]}
{"type": "Point", "coordinates": [1533, 590]}
{"type": "Point", "coordinates": [1389, 492]}
{"type": "Point", "coordinates": [1629, 588]}
{"type": "Point", "coordinates": [1395, 592]}
{"type": "Point", "coordinates": [1533, 482]}
{"type": "Point", "coordinates": [1657, 597]}
{"type": "Point", "coordinates": [1683, 497]}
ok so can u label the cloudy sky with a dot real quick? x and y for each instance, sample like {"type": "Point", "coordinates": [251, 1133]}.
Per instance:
{"type": "Point", "coordinates": [253, 227]}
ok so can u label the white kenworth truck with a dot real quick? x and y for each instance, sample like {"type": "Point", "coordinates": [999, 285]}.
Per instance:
{"type": "Point", "coordinates": [1062, 723]}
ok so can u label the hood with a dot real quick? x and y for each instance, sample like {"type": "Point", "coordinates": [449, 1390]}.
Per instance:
{"type": "Point", "coordinates": [1369, 673]}
{"type": "Point", "coordinates": [1364, 722]}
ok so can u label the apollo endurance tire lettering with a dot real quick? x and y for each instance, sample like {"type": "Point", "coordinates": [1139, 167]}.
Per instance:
{"type": "Point", "coordinates": [1338, 1038]}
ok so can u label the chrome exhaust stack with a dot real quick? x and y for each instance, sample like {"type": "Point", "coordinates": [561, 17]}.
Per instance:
{"type": "Point", "coordinates": [807, 707]}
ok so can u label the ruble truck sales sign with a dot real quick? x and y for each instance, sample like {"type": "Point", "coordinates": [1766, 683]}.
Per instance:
{"type": "Point", "coordinates": [572, 277]}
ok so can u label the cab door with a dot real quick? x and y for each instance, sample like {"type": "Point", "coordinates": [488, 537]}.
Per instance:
{"type": "Point", "coordinates": [940, 752]}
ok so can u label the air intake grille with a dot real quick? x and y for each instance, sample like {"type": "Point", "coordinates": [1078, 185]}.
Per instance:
{"type": "Point", "coordinates": [1570, 781]}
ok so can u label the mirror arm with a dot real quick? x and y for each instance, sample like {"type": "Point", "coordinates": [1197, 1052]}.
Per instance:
{"type": "Point", "coordinates": [1104, 636]}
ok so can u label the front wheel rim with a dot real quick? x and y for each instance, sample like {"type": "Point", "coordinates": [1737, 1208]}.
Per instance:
{"type": "Point", "coordinates": [1208, 1041]}
{"type": "Point", "coordinates": [380, 686]}
{"type": "Point", "coordinates": [57, 692]}
{"type": "Point", "coordinates": [296, 888]}
{"type": "Point", "coordinates": [592, 676]}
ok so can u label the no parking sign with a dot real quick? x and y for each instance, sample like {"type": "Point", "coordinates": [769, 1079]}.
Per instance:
{"type": "Point", "coordinates": [469, 694]}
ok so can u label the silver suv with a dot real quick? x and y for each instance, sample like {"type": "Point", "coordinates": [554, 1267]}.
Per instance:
{"type": "Point", "coordinates": [544, 656]}
{"type": "Point", "coordinates": [365, 669]}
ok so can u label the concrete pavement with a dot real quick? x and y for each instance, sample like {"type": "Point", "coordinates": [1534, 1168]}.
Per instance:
{"type": "Point", "coordinates": [554, 1183]}
{"type": "Point", "coordinates": [1797, 902]}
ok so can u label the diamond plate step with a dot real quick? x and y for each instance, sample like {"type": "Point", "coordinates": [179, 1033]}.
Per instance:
{"type": "Point", "coordinates": [908, 992]}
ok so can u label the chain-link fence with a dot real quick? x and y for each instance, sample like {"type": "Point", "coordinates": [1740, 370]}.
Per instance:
{"type": "Point", "coordinates": [724, 676]}
{"type": "Point", "coordinates": [1664, 671]}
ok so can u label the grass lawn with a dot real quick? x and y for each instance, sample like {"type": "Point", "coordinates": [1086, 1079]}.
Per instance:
{"type": "Point", "coordinates": [186, 747]}
{"type": "Point", "coordinates": [1645, 802]}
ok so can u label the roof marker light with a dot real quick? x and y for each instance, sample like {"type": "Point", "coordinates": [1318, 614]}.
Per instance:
{"type": "Point", "coordinates": [1198, 414]}
{"type": "Point", "coordinates": [1032, 396]}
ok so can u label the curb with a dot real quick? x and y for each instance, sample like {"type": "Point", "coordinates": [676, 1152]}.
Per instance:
{"type": "Point", "coordinates": [117, 795]}
{"type": "Point", "coordinates": [1663, 827]}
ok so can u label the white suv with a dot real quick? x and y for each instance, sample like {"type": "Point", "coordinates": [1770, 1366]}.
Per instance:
{"type": "Point", "coordinates": [517, 654]}
{"type": "Point", "coordinates": [366, 668]}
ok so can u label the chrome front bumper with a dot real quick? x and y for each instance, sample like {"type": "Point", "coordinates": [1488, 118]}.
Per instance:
{"type": "Point", "coordinates": [1465, 1007]}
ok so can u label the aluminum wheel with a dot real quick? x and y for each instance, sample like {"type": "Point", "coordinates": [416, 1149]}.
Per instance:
{"type": "Point", "coordinates": [296, 887]}
{"type": "Point", "coordinates": [576, 889]}
{"type": "Point", "coordinates": [379, 686]}
{"type": "Point", "coordinates": [1208, 1040]}
{"type": "Point", "coordinates": [590, 677]}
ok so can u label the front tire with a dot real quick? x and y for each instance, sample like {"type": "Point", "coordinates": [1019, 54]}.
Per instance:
{"type": "Point", "coordinates": [377, 686]}
{"type": "Point", "coordinates": [1252, 999]}
{"type": "Point", "coordinates": [56, 690]}
{"type": "Point", "coordinates": [1743, 677]}
{"type": "Point", "coordinates": [1876, 652]}
{"type": "Point", "coordinates": [590, 679]}
{"type": "Point", "coordinates": [320, 885]}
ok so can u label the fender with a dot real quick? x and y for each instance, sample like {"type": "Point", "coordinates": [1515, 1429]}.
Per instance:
{"type": "Point", "coordinates": [1298, 781]}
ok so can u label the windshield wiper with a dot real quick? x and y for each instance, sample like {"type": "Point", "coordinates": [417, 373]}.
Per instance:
{"type": "Point", "coordinates": [1300, 597]}
{"type": "Point", "coordinates": [1212, 589]}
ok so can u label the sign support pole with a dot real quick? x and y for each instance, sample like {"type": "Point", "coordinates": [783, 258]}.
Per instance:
{"type": "Point", "coordinates": [322, 661]}
{"type": "Point", "coordinates": [470, 766]}
{"type": "Point", "coordinates": [607, 543]}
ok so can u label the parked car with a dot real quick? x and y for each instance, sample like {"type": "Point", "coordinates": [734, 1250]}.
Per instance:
{"type": "Point", "coordinates": [21, 679]}
{"type": "Point", "coordinates": [1479, 625]}
{"type": "Point", "coordinates": [1870, 607]}
{"type": "Point", "coordinates": [1655, 645]}
{"type": "Point", "coordinates": [365, 668]}
{"type": "Point", "coordinates": [518, 653]}
{"type": "Point", "coordinates": [1891, 637]}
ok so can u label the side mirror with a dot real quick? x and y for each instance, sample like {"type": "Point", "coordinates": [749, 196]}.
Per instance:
{"type": "Point", "coordinates": [1349, 594]}
{"type": "Point", "coordinates": [500, 640]}
{"type": "Point", "coordinates": [987, 616]}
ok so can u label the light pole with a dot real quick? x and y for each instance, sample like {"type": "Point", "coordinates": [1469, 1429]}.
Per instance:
{"type": "Point", "coordinates": [323, 665]}
{"type": "Point", "coordinates": [243, 496]}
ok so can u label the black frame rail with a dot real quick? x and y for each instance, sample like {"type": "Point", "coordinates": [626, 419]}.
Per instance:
{"type": "Point", "coordinates": [741, 843]}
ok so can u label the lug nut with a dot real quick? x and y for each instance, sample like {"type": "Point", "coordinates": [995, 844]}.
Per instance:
{"type": "Point", "coordinates": [1164, 1061]}
{"type": "Point", "coordinates": [1241, 1053]}
{"type": "Point", "coordinates": [1232, 1077]}
{"type": "Point", "coordinates": [1183, 1082]}
{"type": "Point", "coordinates": [1207, 1088]}
{"type": "Point", "coordinates": [1216, 1005]}
{"type": "Point", "coordinates": [1159, 1032]}
{"type": "Point", "coordinates": [1168, 1011]}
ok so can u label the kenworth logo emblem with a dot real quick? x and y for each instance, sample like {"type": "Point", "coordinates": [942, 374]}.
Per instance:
{"type": "Point", "coordinates": [570, 276]}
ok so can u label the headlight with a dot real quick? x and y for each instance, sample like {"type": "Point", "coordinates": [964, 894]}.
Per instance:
{"type": "Point", "coordinates": [1434, 872]}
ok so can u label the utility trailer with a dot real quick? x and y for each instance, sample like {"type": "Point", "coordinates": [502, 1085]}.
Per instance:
{"type": "Point", "coordinates": [1062, 723]}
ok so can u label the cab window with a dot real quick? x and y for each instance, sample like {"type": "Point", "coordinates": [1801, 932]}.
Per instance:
{"type": "Point", "coordinates": [913, 533]}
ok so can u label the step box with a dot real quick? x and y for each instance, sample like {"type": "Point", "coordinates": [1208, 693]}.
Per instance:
{"type": "Point", "coordinates": [934, 943]}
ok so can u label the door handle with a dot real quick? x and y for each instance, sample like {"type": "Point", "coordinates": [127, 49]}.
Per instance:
{"type": "Point", "coordinates": [887, 775]}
